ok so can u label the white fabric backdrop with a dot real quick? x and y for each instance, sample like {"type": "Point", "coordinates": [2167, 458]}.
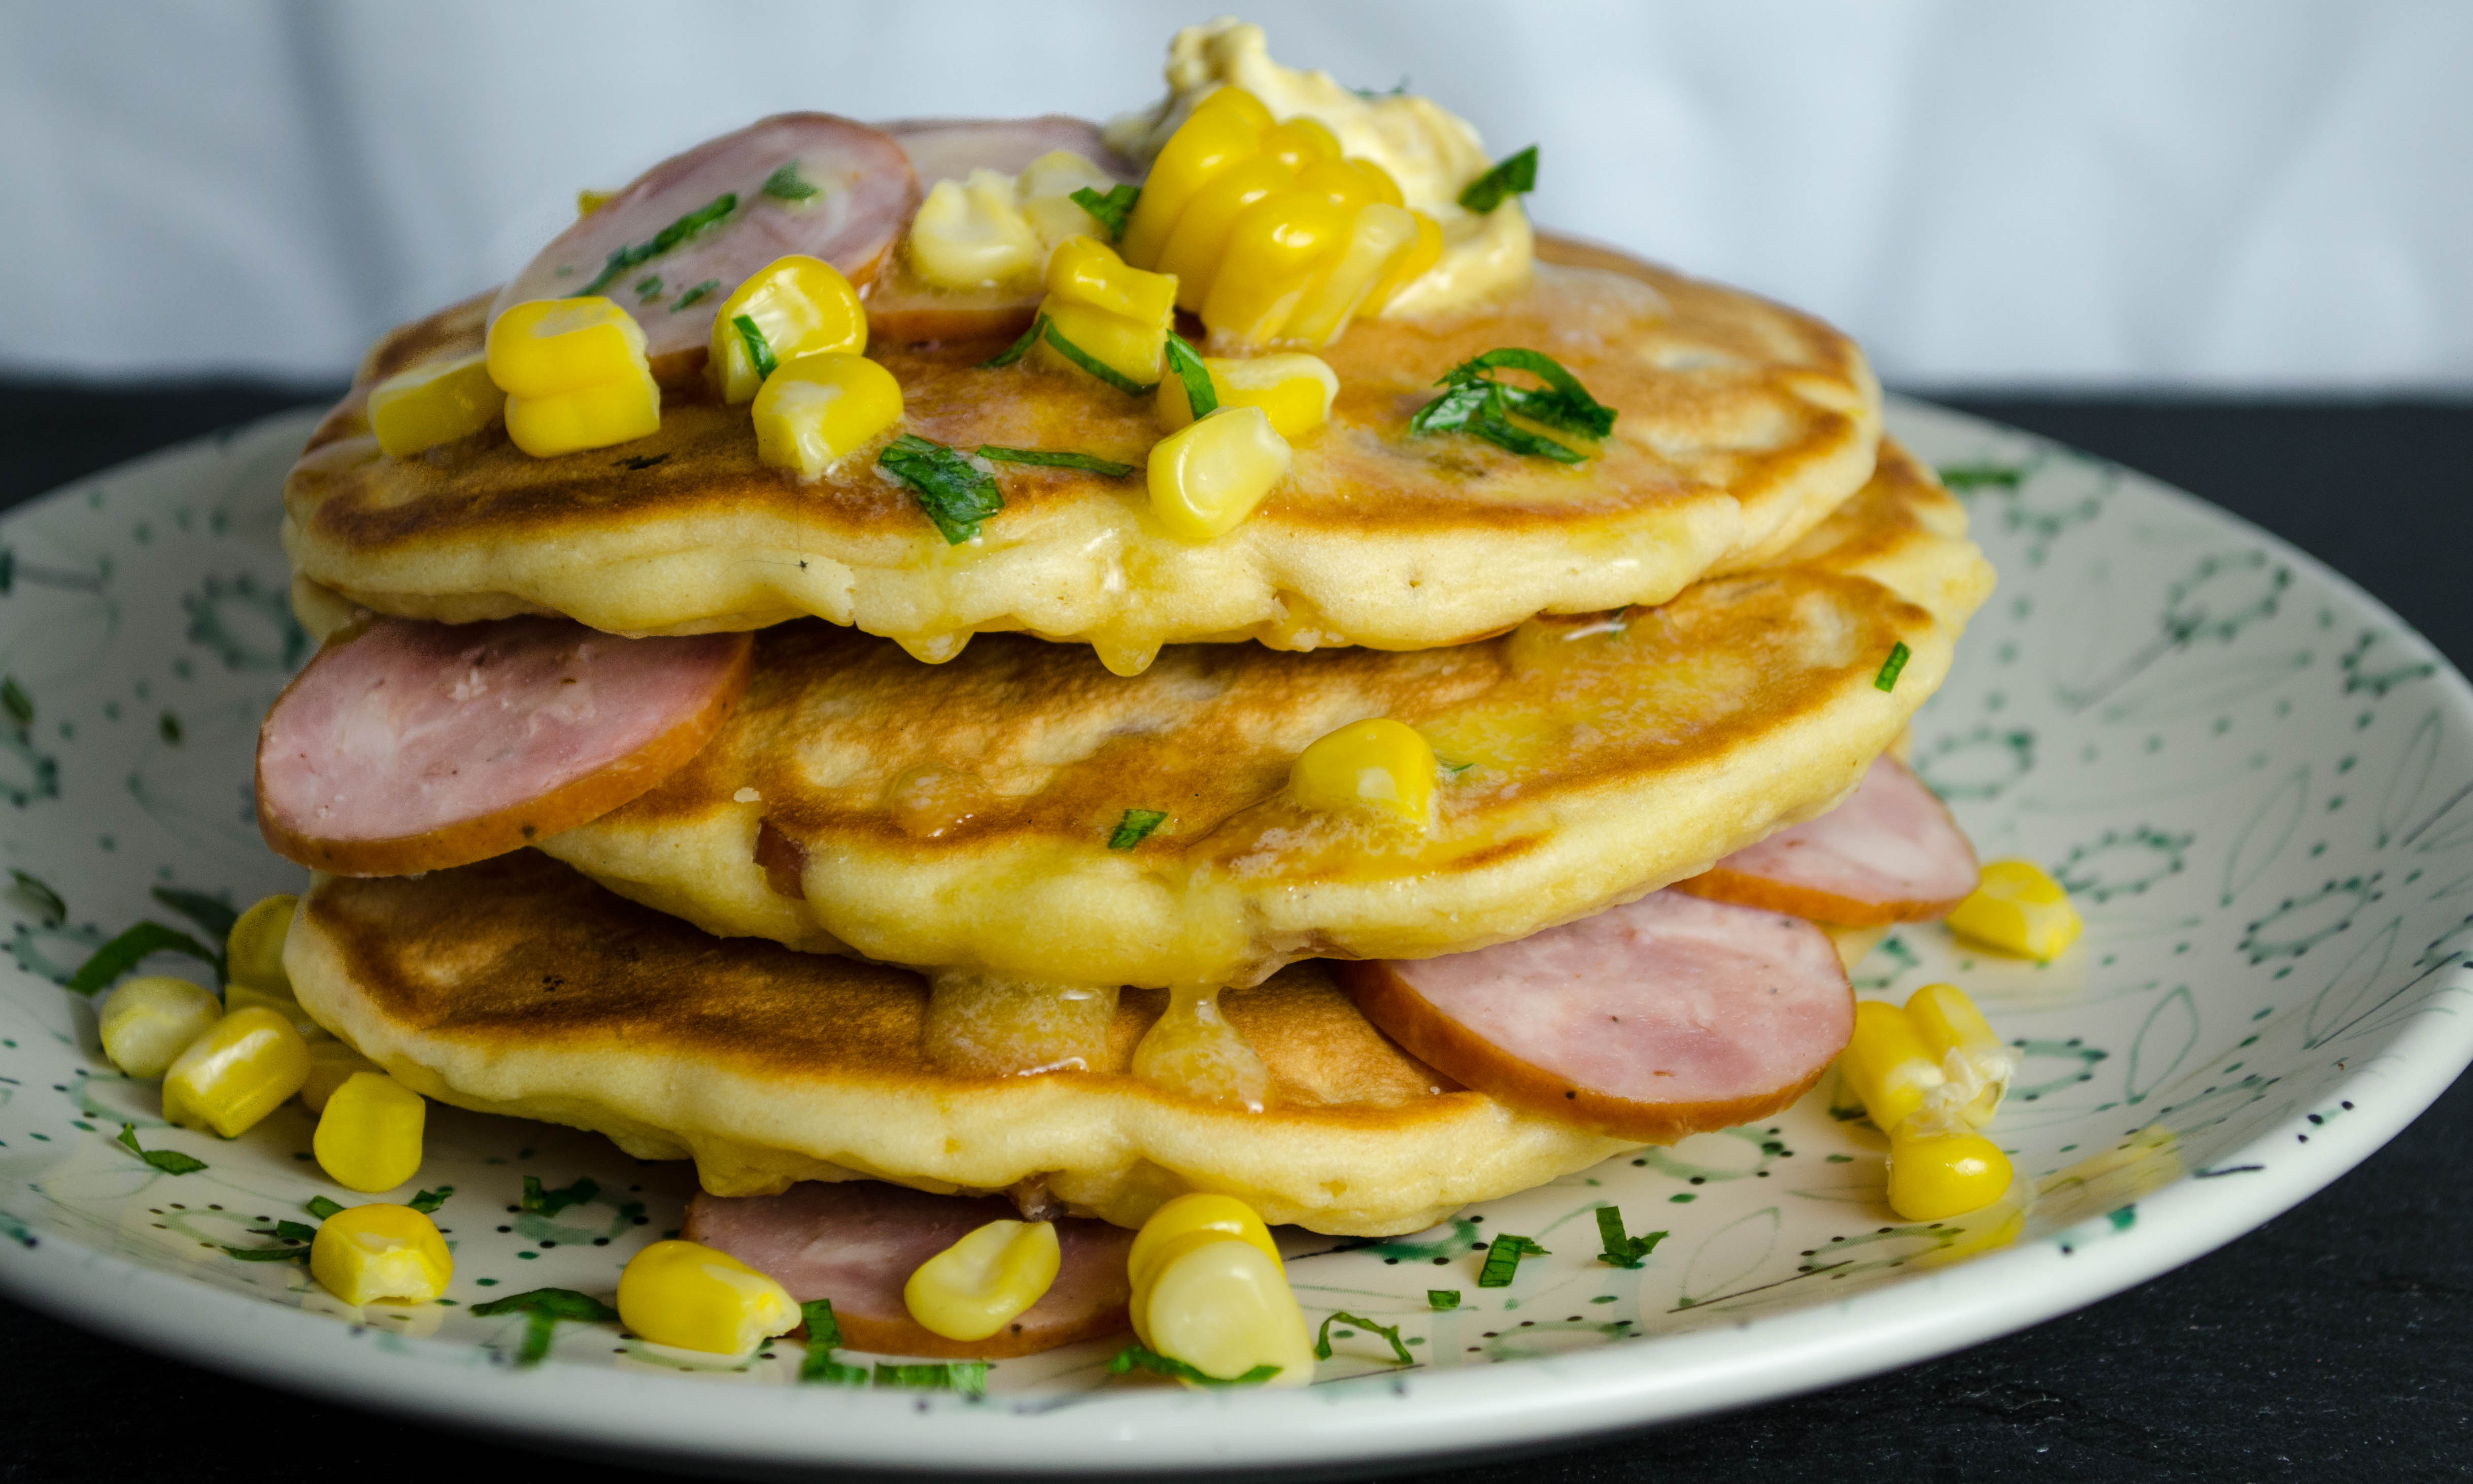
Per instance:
{"type": "Point", "coordinates": [2227, 193]}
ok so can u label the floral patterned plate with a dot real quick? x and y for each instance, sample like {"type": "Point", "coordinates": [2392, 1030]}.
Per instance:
{"type": "Point", "coordinates": [2256, 782]}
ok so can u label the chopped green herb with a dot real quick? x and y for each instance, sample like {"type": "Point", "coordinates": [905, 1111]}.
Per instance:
{"type": "Point", "coordinates": [1391, 1333]}
{"type": "Point", "coordinates": [759, 350]}
{"type": "Point", "coordinates": [1502, 1261]}
{"type": "Point", "coordinates": [265, 1254]}
{"type": "Point", "coordinates": [319, 1207]}
{"type": "Point", "coordinates": [1151, 1360]}
{"type": "Point", "coordinates": [695, 295]}
{"type": "Point", "coordinates": [1019, 348]}
{"type": "Point", "coordinates": [1887, 679]}
{"type": "Point", "coordinates": [641, 460]}
{"type": "Point", "coordinates": [1094, 364]}
{"type": "Point", "coordinates": [1623, 1251]}
{"type": "Point", "coordinates": [824, 1336]}
{"type": "Point", "coordinates": [1200, 395]}
{"type": "Point", "coordinates": [956, 493]}
{"type": "Point", "coordinates": [549, 1203]}
{"type": "Point", "coordinates": [1968, 477]}
{"type": "Point", "coordinates": [1111, 209]}
{"type": "Point", "coordinates": [1371, 93]}
{"type": "Point", "coordinates": [784, 184]}
{"type": "Point", "coordinates": [1515, 175]}
{"type": "Point", "coordinates": [1478, 402]}
{"type": "Point", "coordinates": [543, 1309]}
{"type": "Point", "coordinates": [703, 218]}
{"type": "Point", "coordinates": [289, 1230]}
{"type": "Point", "coordinates": [134, 947]}
{"type": "Point", "coordinates": [1055, 459]}
{"type": "Point", "coordinates": [19, 706]}
{"type": "Point", "coordinates": [428, 1201]}
{"type": "Point", "coordinates": [1135, 829]}
{"type": "Point", "coordinates": [1440, 1299]}
{"type": "Point", "coordinates": [170, 728]}
{"type": "Point", "coordinates": [171, 1162]}
{"type": "Point", "coordinates": [1454, 768]}
{"type": "Point", "coordinates": [211, 913]}
{"type": "Point", "coordinates": [32, 894]}
{"type": "Point", "coordinates": [969, 1377]}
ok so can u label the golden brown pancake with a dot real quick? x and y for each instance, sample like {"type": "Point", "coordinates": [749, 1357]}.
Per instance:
{"type": "Point", "coordinates": [518, 987]}
{"type": "Point", "coordinates": [960, 816]}
{"type": "Point", "coordinates": [1741, 424]}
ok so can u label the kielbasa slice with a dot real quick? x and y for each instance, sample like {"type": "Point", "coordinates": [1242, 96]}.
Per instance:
{"type": "Point", "coordinates": [1890, 854]}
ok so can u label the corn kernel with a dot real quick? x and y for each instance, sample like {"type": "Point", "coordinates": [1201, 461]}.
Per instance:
{"type": "Point", "coordinates": [1195, 1213]}
{"type": "Point", "coordinates": [592, 418]}
{"type": "Point", "coordinates": [1208, 478]}
{"type": "Point", "coordinates": [691, 1296]}
{"type": "Point", "coordinates": [1933, 1176]}
{"type": "Point", "coordinates": [817, 409]}
{"type": "Point", "coordinates": [1273, 249]}
{"type": "Point", "coordinates": [1046, 190]}
{"type": "Point", "coordinates": [800, 305]}
{"type": "Point", "coordinates": [1085, 270]}
{"type": "Point", "coordinates": [380, 1251]}
{"type": "Point", "coordinates": [148, 1022]}
{"type": "Point", "coordinates": [1227, 127]}
{"type": "Point", "coordinates": [331, 1063]}
{"type": "Point", "coordinates": [2017, 909]}
{"type": "Point", "coordinates": [1887, 1064]}
{"type": "Point", "coordinates": [1378, 764]}
{"type": "Point", "coordinates": [973, 232]}
{"type": "Point", "coordinates": [238, 1072]}
{"type": "Point", "coordinates": [1132, 348]}
{"type": "Point", "coordinates": [1294, 391]}
{"type": "Point", "coordinates": [1970, 1054]}
{"type": "Point", "coordinates": [254, 949]}
{"type": "Point", "coordinates": [433, 404]}
{"type": "Point", "coordinates": [588, 201]}
{"type": "Point", "coordinates": [369, 1137]}
{"type": "Point", "coordinates": [1223, 1306]}
{"type": "Point", "coordinates": [1301, 142]}
{"type": "Point", "coordinates": [1422, 253]}
{"type": "Point", "coordinates": [243, 996]}
{"type": "Point", "coordinates": [575, 376]}
{"type": "Point", "coordinates": [984, 1281]}
{"type": "Point", "coordinates": [1382, 236]}
{"type": "Point", "coordinates": [1193, 251]}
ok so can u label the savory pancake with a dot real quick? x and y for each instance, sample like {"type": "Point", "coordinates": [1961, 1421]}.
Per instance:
{"type": "Point", "coordinates": [968, 817]}
{"type": "Point", "coordinates": [518, 987]}
{"type": "Point", "coordinates": [1740, 423]}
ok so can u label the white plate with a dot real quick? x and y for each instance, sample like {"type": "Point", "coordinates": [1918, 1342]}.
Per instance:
{"type": "Point", "coordinates": [2253, 778]}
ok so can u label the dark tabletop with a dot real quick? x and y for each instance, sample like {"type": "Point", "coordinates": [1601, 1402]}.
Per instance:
{"type": "Point", "coordinates": [2333, 1343]}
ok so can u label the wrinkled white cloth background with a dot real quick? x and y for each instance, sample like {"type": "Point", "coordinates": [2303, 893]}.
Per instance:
{"type": "Point", "coordinates": [2232, 193]}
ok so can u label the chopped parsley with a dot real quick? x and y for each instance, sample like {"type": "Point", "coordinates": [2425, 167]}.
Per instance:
{"type": "Point", "coordinates": [1111, 209]}
{"type": "Point", "coordinates": [1623, 1251]}
{"type": "Point", "coordinates": [1477, 401]}
{"type": "Point", "coordinates": [824, 1336]}
{"type": "Point", "coordinates": [695, 295]}
{"type": "Point", "coordinates": [1514, 175]}
{"type": "Point", "coordinates": [969, 1377]}
{"type": "Point", "coordinates": [19, 706]}
{"type": "Point", "coordinates": [265, 1254]}
{"type": "Point", "coordinates": [1887, 679]}
{"type": "Point", "coordinates": [211, 913]}
{"type": "Point", "coordinates": [1143, 1356]}
{"type": "Point", "coordinates": [1053, 458]}
{"type": "Point", "coordinates": [956, 493]}
{"type": "Point", "coordinates": [1442, 1299]}
{"type": "Point", "coordinates": [1019, 348]}
{"type": "Point", "coordinates": [319, 1207]}
{"type": "Point", "coordinates": [784, 184]}
{"type": "Point", "coordinates": [134, 947]}
{"type": "Point", "coordinates": [1966, 478]}
{"type": "Point", "coordinates": [549, 1203]}
{"type": "Point", "coordinates": [36, 897]}
{"type": "Point", "coordinates": [1092, 364]}
{"type": "Point", "coordinates": [759, 350]}
{"type": "Point", "coordinates": [1199, 394]}
{"type": "Point", "coordinates": [171, 1162]}
{"type": "Point", "coordinates": [1135, 829]}
{"type": "Point", "coordinates": [289, 1230]}
{"type": "Point", "coordinates": [648, 286]}
{"type": "Point", "coordinates": [1390, 1333]}
{"type": "Point", "coordinates": [702, 219]}
{"type": "Point", "coordinates": [427, 1202]}
{"type": "Point", "coordinates": [543, 1309]}
{"type": "Point", "coordinates": [1502, 1261]}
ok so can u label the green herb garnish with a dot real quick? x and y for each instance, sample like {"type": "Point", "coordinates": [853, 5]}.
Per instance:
{"type": "Point", "coordinates": [1135, 829]}
{"type": "Point", "coordinates": [289, 1230]}
{"type": "Point", "coordinates": [1200, 395]}
{"type": "Point", "coordinates": [759, 350]}
{"type": "Point", "coordinates": [1502, 1261]}
{"type": "Point", "coordinates": [695, 295]}
{"type": "Point", "coordinates": [543, 1309]}
{"type": "Point", "coordinates": [427, 1202]}
{"type": "Point", "coordinates": [956, 493]}
{"type": "Point", "coordinates": [824, 1336]}
{"type": "Point", "coordinates": [319, 1207]}
{"type": "Point", "coordinates": [1390, 1333]}
{"type": "Point", "coordinates": [265, 1254]}
{"type": "Point", "coordinates": [1475, 401]}
{"type": "Point", "coordinates": [969, 1377]}
{"type": "Point", "coordinates": [1966, 477]}
{"type": "Point", "coordinates": [1111, 209]}
{"type": "Point", "coordinates": [33, 894]}
{"type": "Point", "coordinates": [648, 286]}
{"type": "Point", "coordinates": [1887, 679]}
{"type": "Point", "coordinates": [549, 1203]}
{"type": "Point", "coordinates": [133, 947]}
{"type": "Point", "coordinates": [1515, 176]}
{"type": "Point", "coordinates": [1145, 1358]}
{"type": "Point", "coordinates": [171, 1162]}
{"type": "Point", "coordinates": [1440, 1299]}
{"type": "Point", "coordinates": [703, 218]}
{"type": "Point", "coordinates": [1094, 364]}
{"type": "Point", "coordinates": [1055, 459]}
{"type": "Point", "coordinates": [19, 706]}
{"type": "Point", "coordinates": [784, 184]}
{"type": "Point", "coordinates": [210, 913]}
{"type": "Point", "coordinates": [1019, 348]}
{"type": "Point", "coordinates": [1623, 1251]}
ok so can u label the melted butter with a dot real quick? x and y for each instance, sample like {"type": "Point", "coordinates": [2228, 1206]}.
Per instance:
{"type": "Point", "coordinates": [934, 648]}
{"type": "Point", "coordinates": [1195, 1051]}
{"type": "Point", "coordinates": [980, 1025]}
{"type": "Point", "coordinates": [931, 801]}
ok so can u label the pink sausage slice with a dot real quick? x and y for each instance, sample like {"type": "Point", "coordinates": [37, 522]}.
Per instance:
{"type": "Point", "coordinates": [856, 1242]}
{"type": "Point", "coordinates": [864, 194]}
{"type": "Point", "coordinates": [419, 746]}
{"type": "Point", "coordinates": [1668, 1016]}
{"type": "Point", "coordinates": [1890, 854]}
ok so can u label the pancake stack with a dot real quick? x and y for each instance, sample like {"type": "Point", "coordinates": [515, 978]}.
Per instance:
{"type": "Point", "coordinates": [755, 821]}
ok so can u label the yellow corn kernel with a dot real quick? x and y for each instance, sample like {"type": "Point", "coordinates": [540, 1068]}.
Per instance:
{"type": "Point", "coordinates": [1933, 1176]}
{"type": "Point", "coordinates": [148, 1022]}
{"type": "Point", "coordinates": [1424, 253]}
{"type": "Point", "coordinates": [238, 1072]}
{"type": "Point", "coordinates": [1224, 129]}
{"type": "Point", "coordinates": [1294, 391]}
{"type": "Point", "coordinates": [1046, 190]}
{"type": "Point", "coordinates": [588, 201]}
{"type": "Point", "coordinates": [1194, 249]}
{"type": "Point", "coordinates": [549, 346]}
{"type": "Point", "coordinates": [244, 996]}
{"type": "Point", "coordinates": [593, 418]}
{"type": "Point", "coordinates": [1380, 237]}
{"type": "Point", "coordinates": [380, 1251]}
{"type": "Point", "coordinates": [1340, 183]}
{"type": "Point", "coordinates": [433, 404]}
{"type": "Point", "coordinates": [817, 409]}
{"type": "Point", "coordinates": [1377, 764]}
{"type": "Point", "coordinates": [973, 232]}
{"type": "Point", "coordinates": [331, 1063]}
{"type": "Point", "coordinates": [1379, 181]}
{"type": "Point", "coordinates": [369, 1137]}
{"type": "Point", "coordinates": [1274, 249]}
{"type": "Point", "coordinates": [1197, 1212]}
{"type": "Point", "coordinates": [254, 949]}
{"type": "Point", "coordinates": [2017, 909]}
{"type": "Point", "coordinates": [1223, 1306]}
{"type": "Point", "coordinates": [1132, 348]}
{"type": "Point", "coordinates": [1208, 478]}
{"type": "Point", "coordinates": [801, 305]}
{"type": "Point", "coordinates": [1887, 1064]}
{"type": "Point", "coordinates": [983, 1282]}
{"type": "Point", "coordinates": [1086, 271]}
{"type": "Point", "coordinates": [1300, 142]}
{"type": "Point", "coordinates": [694, 1297]}
{"type": "Point", "coordinates": [1951, 1026]}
